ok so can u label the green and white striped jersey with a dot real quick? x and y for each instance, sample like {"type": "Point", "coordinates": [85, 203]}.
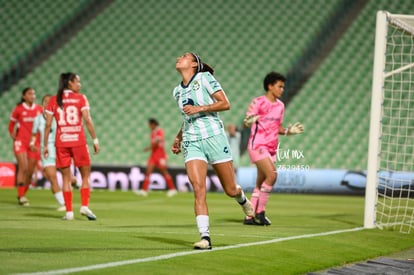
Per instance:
{"type": "Point", "coordinates": [199, 92]}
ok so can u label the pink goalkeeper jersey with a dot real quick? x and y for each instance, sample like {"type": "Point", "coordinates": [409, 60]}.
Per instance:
{"type": "Point", "coordinates": [265, 131]}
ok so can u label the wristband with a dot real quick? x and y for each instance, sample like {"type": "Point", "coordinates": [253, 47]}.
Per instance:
{"type": "Point", "coordinates": [95, 141]}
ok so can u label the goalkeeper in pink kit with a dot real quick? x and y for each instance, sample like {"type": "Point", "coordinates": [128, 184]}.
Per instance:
{"type": "Point", "coordinates": [265, 117]}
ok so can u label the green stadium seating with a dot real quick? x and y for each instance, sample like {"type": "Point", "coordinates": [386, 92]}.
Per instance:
{"type": "Point", "coordinates": [126, 56]}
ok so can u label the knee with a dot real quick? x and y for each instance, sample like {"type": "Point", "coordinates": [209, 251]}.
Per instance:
{"type": "Point", "coordinates": [232, 191]}
{"type": "Point", "coordinates": [271, 178]}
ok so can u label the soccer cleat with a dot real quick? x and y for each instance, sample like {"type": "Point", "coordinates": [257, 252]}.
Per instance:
{"type": "Point", "coordinates": [61, 208]}
{"type": "Point", "coordinates": [68, 216]}
{"type": "Point", "coordinates": [262, 219]}
{"type": "Point", "coordinates": [23, 201]}
{"type": "Point", "coordinates": [85, 211]}
{"type": "Point", "coordinates": [171, 193]}
{"type": "Point", "coordinates": [250, 221]}
{"type": "Point", "coordinates": [203, 244]}
{"type": "Point", "coordinates": [248, 208]}
{"type": "Point", "coordinates": [141, 193]}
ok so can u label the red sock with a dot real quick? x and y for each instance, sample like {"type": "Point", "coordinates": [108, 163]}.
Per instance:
{"type": "Point", "coordinates": [26, 187]}
{"type": "Point", "coordinates": [170, 183]}
{"type": "Point", "coordinates": [85, 194]}
{"type": "Point", "coordinates": [67, 196]}
{"type": "Point", "coordinates": [145, 184]}
{"type": "Point", "coordinates": [264, 197]}
{"type": "Point", "coordinates": [20, 190]}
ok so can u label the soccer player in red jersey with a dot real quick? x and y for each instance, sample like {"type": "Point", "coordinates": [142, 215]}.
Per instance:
{"type": "Point", "coordinates": [20, 130]}
{"type": "Point", "coordinates": [157, 159]}
{"type": "Point", "coordinates": [70, 108]}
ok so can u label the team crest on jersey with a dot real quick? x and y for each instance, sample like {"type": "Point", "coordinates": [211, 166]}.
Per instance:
{"type": "Point", "coordinates": [196, 85]}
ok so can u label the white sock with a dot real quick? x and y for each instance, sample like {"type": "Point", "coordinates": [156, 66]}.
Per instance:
{"type": "Point", "coordinates": [59, 197]}
{"type": "Point", "coordinates": [242, 198]}
{"type": "Point", "coordinates": [203, 225]}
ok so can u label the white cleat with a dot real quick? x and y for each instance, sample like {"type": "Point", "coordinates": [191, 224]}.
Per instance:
{"type": "Point", "coordinates": [24, 201]}
{"type": "Point", "coordinates": [203, 244]}
{"type": "Point", "coordinates": [85, 211]}
{"type": "Point", "coordinates": [171, 193]}
{"type": "Point", "coordinates": [68, 216]}
{"type": "Point", "coordinates": [248, 208]}
{"type": "Point", "coordinates": [141, 193]}
{"type": "Point", "coordinates": [61, 208]}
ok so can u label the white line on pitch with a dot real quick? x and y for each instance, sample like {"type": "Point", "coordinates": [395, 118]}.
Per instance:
{"type": "Point", "coordinates": [185, 253]}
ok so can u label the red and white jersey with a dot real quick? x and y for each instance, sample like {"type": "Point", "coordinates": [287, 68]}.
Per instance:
{"type": "Point", "coordinates": [24, 115]}
{"type": "Point", "coordinates": [157, 143]}
{"type": "Point", "coordinates": [69, 131]}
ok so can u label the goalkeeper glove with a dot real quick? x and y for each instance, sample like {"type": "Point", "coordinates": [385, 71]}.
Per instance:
{"type": "Point", "coordinates": [250, 119]}
{"type": "Point", "coordinates": [296, 128]}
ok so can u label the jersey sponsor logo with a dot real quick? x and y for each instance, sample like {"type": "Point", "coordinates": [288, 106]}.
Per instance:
{"type": "Point", "coordinates": [28, 119]}
{"type": "Point", "coordinates": [66, 129]}
{"type": "Point", "coordinates": [70, 100]}
{"type": "Point", "coordinates": [69, 137]}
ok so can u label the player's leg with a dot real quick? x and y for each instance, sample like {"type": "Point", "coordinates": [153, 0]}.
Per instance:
{"type": "Point", "coordinates": [266, 169]}
{"type": "Point", "coordinates": [21, 159]}
{"type": "Point", "coordinates": [255, 197]}
{"type": "Point", "coordinates": [50, 173]}
{"type": "Point", "coordinates": [143, 191]}
{"type": "Point", "coordinates": [197, 173]}
{"type": "Point", "coordinates": [63, 162]}
{"type": "Point", "coordinates": [228, 181]}
{"type": "Point", "coordinates": [82, 160]}
{"type": "Point", "coordinates": [162, 167]}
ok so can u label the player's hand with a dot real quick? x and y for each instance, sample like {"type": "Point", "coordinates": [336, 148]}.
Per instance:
{"type": "Point", "coordinates": [250, 119]}
{"type": "Point", "coordinates": [296, 128]}
{"type": "Point", "coordinates": [45, 152]}
{"type": "Point", "coordinates": [176, 147]}
{"type": "Point", "coordinates": [33, 148]}
{"type": "Point", "coordinates": [96, 148]}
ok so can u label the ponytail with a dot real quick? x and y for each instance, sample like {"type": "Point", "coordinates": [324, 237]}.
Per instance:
{"type": "Point", "coordinates": [201, 66]}
{"type": "Point", "coordinates": [63, 84]}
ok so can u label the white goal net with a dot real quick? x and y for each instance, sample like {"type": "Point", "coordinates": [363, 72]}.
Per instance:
{"type": "Point", "coordinates": [390, 175]}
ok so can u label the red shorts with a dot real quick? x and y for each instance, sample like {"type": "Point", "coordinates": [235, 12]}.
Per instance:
{"type": "Point", "coordinates": [80, 156]}
{"type": "Point", "coordinates": [157, 161]}
{"type": "Point", "coordinates": [24, 147]}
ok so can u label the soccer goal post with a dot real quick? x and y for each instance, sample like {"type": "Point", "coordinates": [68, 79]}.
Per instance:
{"type": "Point", "coordinates": [389, 194]}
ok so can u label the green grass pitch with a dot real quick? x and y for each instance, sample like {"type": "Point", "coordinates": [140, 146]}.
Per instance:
{"type": "Point", "coordinates": [156, 234]}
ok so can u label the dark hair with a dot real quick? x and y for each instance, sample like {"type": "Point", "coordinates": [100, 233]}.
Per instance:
{"type": "Point", "coordinates": [272, 78]}
{"type": "Point", "coordinates": [64, 84]}
{"type": "Point", "coordinates": [153, 121]}
{"type": "Point", "coordinates": [25, 90]}
{"type": "Point", "coordinates": [201, 66]}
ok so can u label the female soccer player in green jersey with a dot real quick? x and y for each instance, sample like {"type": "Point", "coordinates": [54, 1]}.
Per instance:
{"type": "Point", "coordinates": [202, 138]}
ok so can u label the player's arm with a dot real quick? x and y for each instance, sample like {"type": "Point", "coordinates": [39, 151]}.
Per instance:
{"type": "Point", "coordinates": [12, 124]}
{"type": "Point", "coordinates": [91, 129]}
{"type": "Point", "coordinates": [176, 147]}
{"type": "Point", "coordinates": [294, 129]}
{"type": "Point", "coordinates": [221, 104]}
{"type": "Point", "coordinates": [34, 134]}
{"type": "Point", "coordinates": [48, 126]}
{"type": "Point", "coordinates": [251, 115]}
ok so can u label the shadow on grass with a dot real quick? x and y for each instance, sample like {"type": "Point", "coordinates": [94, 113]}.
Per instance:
{"type": "Point", "coordinates": [166, 240]}
{"type": "Point", "coordinates": [82, 249]}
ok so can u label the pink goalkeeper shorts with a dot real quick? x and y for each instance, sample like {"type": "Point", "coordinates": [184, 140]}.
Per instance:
{"type": "Point", "coordinates": [260, 153]}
